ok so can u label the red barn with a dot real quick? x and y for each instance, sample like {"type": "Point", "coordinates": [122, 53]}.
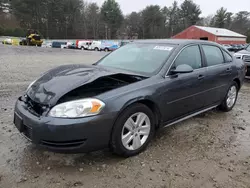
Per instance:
{"type": "Point", "coordinates": [219, 35]}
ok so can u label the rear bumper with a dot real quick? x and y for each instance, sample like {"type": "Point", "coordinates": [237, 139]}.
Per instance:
{"type": "Point", "coordinates": [64, 135]}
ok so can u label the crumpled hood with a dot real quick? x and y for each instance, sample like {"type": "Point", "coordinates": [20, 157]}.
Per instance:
{"type": "Point", "coordinates": [55, 83]}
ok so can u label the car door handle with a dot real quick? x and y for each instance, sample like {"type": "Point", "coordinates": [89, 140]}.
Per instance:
{"type": "Point", "coordinates": [200, 77]}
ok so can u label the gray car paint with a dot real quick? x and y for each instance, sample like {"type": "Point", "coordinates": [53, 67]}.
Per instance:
{"type": "Point", "coordinates": [184, 94]}
{"type": "Point", "coordinates": [173, 97]}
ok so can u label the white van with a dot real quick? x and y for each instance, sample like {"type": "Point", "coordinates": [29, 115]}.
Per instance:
{"type": "Point", "coordinates": [96, 45]}
{"type": "Point", "coordinates": [83, 44]}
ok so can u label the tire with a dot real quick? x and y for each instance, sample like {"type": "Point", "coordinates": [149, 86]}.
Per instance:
{"type": "Point", "coordinates": [120, 131]}
{"type": "Point", "coordinates": [96, 49]}
{"type": "Point", "coordinates": [106, 49]}
{"type": "Point", "coordinates": [82, 48]}
{"type": "Point", "coordinates": [233, 92]}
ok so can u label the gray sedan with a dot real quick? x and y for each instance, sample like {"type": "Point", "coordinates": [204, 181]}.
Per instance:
{"type": "Point", "coordinates": [120, 101]}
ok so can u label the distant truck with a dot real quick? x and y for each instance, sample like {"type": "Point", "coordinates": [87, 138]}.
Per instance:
{"type": "Point", "coordinates": [95, 45]}
{"type": "Point", "coordinates": [109, 45]}
{"type": "Point", "coordinates": [83, 44]}
{"type": "Point", "coordinates": [104, 45]}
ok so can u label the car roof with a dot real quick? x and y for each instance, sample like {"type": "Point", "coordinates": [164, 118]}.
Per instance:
{"type": "Point", "coordinates": [175, 41]}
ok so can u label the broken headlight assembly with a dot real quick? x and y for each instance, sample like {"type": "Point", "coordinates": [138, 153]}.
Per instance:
{"type": "Point", "coordinates": [77, 108]}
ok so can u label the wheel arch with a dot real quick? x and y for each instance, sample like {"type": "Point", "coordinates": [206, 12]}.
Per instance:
{"type": "Point", "coordinates": [237, 80]}
{"type": "Point", "coordinates": [147, 102]}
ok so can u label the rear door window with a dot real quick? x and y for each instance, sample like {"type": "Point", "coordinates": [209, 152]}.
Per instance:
{"type": "Point", "coordinates": [213, 55]}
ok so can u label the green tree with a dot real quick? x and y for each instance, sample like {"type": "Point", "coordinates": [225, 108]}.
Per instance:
{"type": "Point", "coordinates": [93, 17]}
{"type": "Point", "coordinates": [132, 24]}
{"type": "Point", "coordinates": [220, 18]}
{"type": "Point", "coordinates": [152, 21]}
{"type": "Point", "coordinates": [112, 17]}
{"type": "Point", "coordinates": [173, 20]}
{"type": "Point", "coordinates": [190, 13]}
{"type": "Point", "coordinates": [1, 31]}
{"type": "Point", "coordinates": [241, 22]}
{"type": "Point", "coordinates": [53, 18]}
{"type": "Point", "coordinates": [248, 35]}
{"type": "Point", "coordinates": [229, 20]}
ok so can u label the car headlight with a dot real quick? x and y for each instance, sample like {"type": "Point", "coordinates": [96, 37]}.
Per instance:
{"type": "Point", "coordinates": [77, 108]}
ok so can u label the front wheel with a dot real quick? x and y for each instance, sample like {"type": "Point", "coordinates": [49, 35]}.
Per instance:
{"type": "Point", "coordinates": [231, 98]}
{"type": "Point", "coordinates": [133, 130]}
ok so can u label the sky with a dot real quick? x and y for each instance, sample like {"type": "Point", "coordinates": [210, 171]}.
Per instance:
{"type": "Point", "coordinates": [208, 7]}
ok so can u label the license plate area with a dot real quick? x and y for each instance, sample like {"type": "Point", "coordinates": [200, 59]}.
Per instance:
{"type": "Point", "coordinates": [18, 121]}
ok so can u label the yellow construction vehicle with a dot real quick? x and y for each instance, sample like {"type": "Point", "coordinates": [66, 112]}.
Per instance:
{"type": "Point", "coordinates": [32, 39]}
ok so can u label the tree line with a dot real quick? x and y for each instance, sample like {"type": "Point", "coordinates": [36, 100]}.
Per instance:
{"type": "Point", "coordinates": [79, 19]}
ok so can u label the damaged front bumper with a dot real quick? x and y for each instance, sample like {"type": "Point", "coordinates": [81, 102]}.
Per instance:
{"type": "Point", "coordinates": [64, 135]}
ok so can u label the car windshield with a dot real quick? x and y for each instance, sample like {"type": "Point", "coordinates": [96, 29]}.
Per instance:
{"type": "Point", "coordinates": [137, 57]}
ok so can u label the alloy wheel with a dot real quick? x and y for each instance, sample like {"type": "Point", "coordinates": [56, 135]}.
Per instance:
{"type": "Point", "coordinates": [136, 131]}
{"type": "Point", "coordinates": [231, 96]}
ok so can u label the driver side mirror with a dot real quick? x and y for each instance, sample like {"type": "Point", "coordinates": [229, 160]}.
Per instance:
{"type": "Point", "coordinates": [184, 68]}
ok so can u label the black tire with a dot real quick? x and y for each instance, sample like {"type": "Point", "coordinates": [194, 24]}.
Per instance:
{"type": "Point", "coordinates": [116, 144]}
{"type": "Point", "coordinates": [96, 49]}
{"type": "Point", "coordinates": [106, 49]}
{"type": "Point", "coordinates": [224, 106]}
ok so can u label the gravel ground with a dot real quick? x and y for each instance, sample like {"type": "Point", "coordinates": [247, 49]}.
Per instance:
{"type": "Point", "coordinates": [210, 150]}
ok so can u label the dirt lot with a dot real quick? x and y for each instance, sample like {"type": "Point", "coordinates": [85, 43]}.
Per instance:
{"type": "Point", "coordinates": [211, 150]}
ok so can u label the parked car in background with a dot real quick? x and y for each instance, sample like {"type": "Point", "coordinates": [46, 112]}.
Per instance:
{"type": "Point", "coordinates": [7, 41]}
{"type": "Point", "coordinates": [58, 44]}
{"type": "Point", "coordinates": [83, 44]}
{"type": "Point", "coordinates": [109, 45]}
{"type": "Point", "coordinates": [240, 46]}
{"type": "Point", "coordinates": [47, 45]}
{"type": "Point", "coordinates": [235, 48]}
{"type": "Point", "coordinates": [228, 47]}
{"type": "Point", "coordinates": [65, 45]}
{"type": "Point", "coordinates": [245, 56]}
{"type": "Point", "coordinates": [120, 101]}
{"type": "Point", "coordinates": [95, 45]}
{"type": "Point", "coordinates": [124, 42]}
{"type": "Point", "coordinates": [71, 45]}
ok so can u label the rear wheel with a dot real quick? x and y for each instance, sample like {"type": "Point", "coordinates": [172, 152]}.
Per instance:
{"type": "Point", "coordinates": [133, 130]}
{"type": "Point", "coordinates": [96, 49]}
{"type": "Point", "coordinates": [231, 98]}
{"type": "Point", "coordinates": [106, 49]}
